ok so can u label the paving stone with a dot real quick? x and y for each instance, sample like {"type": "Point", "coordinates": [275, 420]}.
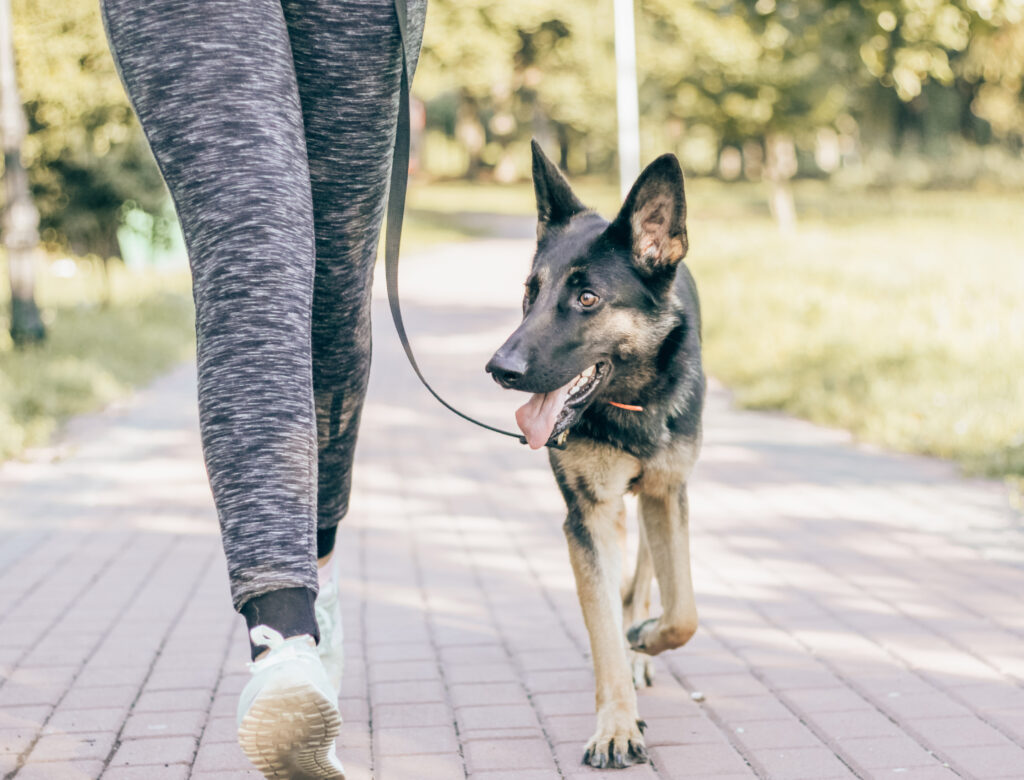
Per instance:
{"type": "Point", "coordinates": [956, 732]}
{"type": "Point", "coordinates": [184, 723]}
{"type": "Point", "coordinates": [24, 717]}
{"type": "Point", "coordinates": [764, 734]}
{"type": "Point", "coordinates": [67, 747]}
{"type": "Point", "coordinates": [402, 671]}
{"type": "Point", "coordinates": [399, 715]}
{"type": "Point", "coordinates": [106, 697]}
{"type": "Point", "coordinates": [64, 770]}
{"type": "Point", "coordinates": [813, 700]}
{"type": "Point", "coordinates": [693, 761]}
{"type": "Point", "coordinates": [443, 767]}
{"type": "Point", "coordinates": [185, 700]}
{"type": "Point", "coordinates": [71, 721]}
{"type": "Point", "coordinates": [173, 772]}
{"type": "Point", "coordinates": [220, 757]}
{"type": "Point", "coordinates": [839, 726]}
{"type": "Point", "coordinates": [413, 692]}
{"type": "Point", "coordinates": [421, 740]}
{"type": "Point", "coordinates": [155, 750]}
{"type": "Point", "coordinates": [988, 761]}
{"type": "Point", "coordinates": [506, 754]}
{"type": "Point", "coordinates": [498, 716]}
{"type": "Point", "coordinates": [800, 763]}
{"type": "Point", "coordinates": [886, 753]}
{"type": "Point", "coordinates": [475, 694]}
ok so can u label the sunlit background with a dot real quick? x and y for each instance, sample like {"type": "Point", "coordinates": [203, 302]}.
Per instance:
{"type": "Point", "coordinates": [855, 183]}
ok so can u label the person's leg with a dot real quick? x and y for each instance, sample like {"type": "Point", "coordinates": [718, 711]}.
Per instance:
{"type": "Point", "coordinates": [347, 60]}
{"type": "Point", "coordinates": [214, 88]}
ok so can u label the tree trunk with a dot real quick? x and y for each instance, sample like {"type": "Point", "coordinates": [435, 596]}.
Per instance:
{"type": "Point", "coordinates": [20, 217]}
{"type": "Point", "coordinates": [563, 146]}
{"type": "Point", "coordinates": [470, 131]}
{"type": "Point", "coordinates": [780, 167]}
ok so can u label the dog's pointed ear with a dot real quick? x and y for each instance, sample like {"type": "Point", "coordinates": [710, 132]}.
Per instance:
{"type": "Point", "coordinates": [652, 221]}
{"type": "Point", "coordinates": [556, 202]}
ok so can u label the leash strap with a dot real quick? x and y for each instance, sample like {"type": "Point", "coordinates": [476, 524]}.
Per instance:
{"type": "Point", "coordinates": [396, 212]}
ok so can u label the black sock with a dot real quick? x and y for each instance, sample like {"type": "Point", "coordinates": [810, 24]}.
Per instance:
{"type": "Point", "coordinates": [325, 540]}
{"type": "Point", "coordinates": [289, 610]}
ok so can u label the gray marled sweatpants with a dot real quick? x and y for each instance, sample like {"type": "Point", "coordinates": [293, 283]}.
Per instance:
{"type": "Point", "coordinates": [273, 123]}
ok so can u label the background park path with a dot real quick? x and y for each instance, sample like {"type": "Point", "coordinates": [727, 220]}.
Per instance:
{"type": "Point", "coordinates": [861, 612]}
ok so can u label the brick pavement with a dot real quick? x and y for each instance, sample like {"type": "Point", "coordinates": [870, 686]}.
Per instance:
{"type": "Point", "coordinates": [861, 612]}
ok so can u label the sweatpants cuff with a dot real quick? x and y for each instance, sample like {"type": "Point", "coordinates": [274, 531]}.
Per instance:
{"type": "Point", "coordinates": [325, 540]}
{"type": "Point", "coordinates": [289, 610]}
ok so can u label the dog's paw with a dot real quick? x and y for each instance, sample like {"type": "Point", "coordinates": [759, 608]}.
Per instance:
{"type": "Point", "coordinates": [640, 636]}
{"type": "Point", "coordinates": [654, 636]}
{"type": "Point", "coordinates": [643, 670]}
{"type": "Point", "coordinates": [618, 743]}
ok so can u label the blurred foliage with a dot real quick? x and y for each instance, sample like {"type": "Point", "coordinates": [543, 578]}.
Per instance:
{"type": "Point", "coordinates": [897, 317]}
{"type": "Point", "coordinates": [88, 161]}
{"type": "Point", "coordinates": [97, 348]}
{"type": "Point", "coordinates": [839, 78]}
{"type": "Point", "coordinates": [872, 92]}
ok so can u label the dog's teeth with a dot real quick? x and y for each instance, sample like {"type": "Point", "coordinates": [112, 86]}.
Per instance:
{"type": "Point", "coordinates": [573, 390]}
{"type": "Point", "coordinates": [589, 372]}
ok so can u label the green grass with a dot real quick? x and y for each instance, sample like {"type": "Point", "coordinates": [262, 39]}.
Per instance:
{"type": "Point", "coordinates": [898, 319]}
{"type": "Point", "coordinates": [93, 353]}
{"type": "Point", "coordinates": [896, 315]}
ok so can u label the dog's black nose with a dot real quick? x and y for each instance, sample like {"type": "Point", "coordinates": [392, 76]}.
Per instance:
{"type": "Point", "coordinates": [506, 369]}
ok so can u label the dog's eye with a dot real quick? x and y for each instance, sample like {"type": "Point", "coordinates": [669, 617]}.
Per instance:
{"type": "Point", "coordinates": [588, 299]}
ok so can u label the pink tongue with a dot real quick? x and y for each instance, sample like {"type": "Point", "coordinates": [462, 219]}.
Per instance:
{"type": "Point", "coordinates": [536, 418]}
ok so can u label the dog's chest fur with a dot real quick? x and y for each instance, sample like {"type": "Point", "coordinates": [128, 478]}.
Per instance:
{"type": "Point", "coordinates": [599, 472]}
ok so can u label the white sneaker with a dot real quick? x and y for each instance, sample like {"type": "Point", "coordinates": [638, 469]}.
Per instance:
{"type": "Point", "coordinates": [332, 639]}
{"type": "Point", "coordinates": [288, 715]}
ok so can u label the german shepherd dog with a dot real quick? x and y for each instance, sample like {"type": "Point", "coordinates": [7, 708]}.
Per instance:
{"type": "Point", "coordinates": [610, 348]}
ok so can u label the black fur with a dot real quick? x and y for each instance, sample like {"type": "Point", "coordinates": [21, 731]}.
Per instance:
{"type": "Point", "coordinates": [575, 522]}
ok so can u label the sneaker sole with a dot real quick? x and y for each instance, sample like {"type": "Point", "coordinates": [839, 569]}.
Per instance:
{"type": "Point", "coordinates": [288, 734]}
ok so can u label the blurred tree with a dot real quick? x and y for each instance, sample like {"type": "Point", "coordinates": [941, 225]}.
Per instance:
{"type": "Point", "coordinates": [521, 69]}
{"type": "Point", "coordinates": [728, 72]}
{"type": "Point", "coordinates": [85, 152]}
{"type": "Point", "coordinates": [760, 88]}
{"type": "Point", "coordinates": [992, 72]}
{"type": "Point", "coordinates": [20, 217]}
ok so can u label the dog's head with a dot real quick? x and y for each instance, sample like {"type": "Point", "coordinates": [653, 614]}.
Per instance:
{"type": "Point", "coordinates": [596, 298]}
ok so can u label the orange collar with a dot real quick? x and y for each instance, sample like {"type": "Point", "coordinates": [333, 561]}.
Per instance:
{"type": "Point", "coordinates": [627, 407]}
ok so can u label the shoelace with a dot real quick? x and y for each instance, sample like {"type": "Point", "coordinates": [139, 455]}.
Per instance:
{"type": "Point", "coordinates": [281, 649]}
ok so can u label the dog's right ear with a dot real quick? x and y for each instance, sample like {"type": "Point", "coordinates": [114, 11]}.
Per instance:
{"type": "Point", "coordinates": [653, 219]}
{"type": "Point", "coordinates": [556, 202]}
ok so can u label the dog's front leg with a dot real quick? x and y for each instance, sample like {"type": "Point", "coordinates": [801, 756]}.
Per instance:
{"type": "Point", "coordinates": [666, 521]}
{"type": "Point", "coordinates": [591, 531]}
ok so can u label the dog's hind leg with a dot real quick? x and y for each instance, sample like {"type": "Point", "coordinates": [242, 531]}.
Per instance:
{"type": "Point", "coordinates": [636, 606]}
{"type": "Point", "coordinates": [666, 522]}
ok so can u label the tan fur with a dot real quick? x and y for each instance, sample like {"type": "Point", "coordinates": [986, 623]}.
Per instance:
{"type": "Point", "coordinates": [635, 334]}
{"type": "Point", "coordinates": [596, 554]}
{"type": "Point", "coordinates": [654, 236]}
{"type": "Point", "coordinates": [676, 250]}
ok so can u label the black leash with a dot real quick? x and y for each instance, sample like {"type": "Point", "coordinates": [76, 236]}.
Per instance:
{"type": "Point", "coordinates": [396, 212]}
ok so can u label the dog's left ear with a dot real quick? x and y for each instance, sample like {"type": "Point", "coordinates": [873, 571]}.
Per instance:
{"type": "Point", "coordinates": [652, 221]}
{"type": "Point", "coordinates": [556, 202]}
